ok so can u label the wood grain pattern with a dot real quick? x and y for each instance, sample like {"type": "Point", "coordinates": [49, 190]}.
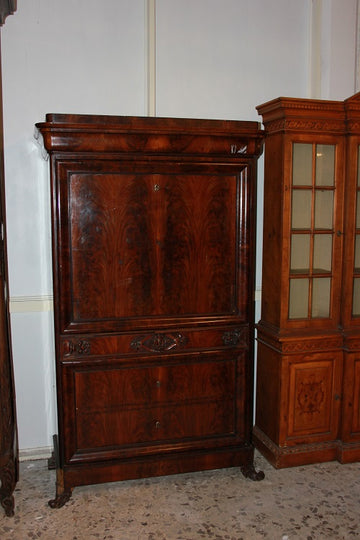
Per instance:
{"type": "Point", "coordinates": [153, 250]}
{"type": "Point", "coordinates": [308, 374]}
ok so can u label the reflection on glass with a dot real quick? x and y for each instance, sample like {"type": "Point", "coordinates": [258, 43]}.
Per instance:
{"type": "Point", "coordinates": [301, 209]}
{"type": "Point", "coordinates": [357, 254]}
{"type": "Point", "coordinates": [298, 300]}
{"type": "Point", "coordinates": [324, 209]}
{"type": "Point", "coordinates": [325, 165]}
{"type": "Point", "coordinates": [321, 297]}
{"type": "Point", "coordinates": [322, 254]}
{"type": "Point", "coordinates": [302, 164]}
{"type": "Point", "coordinates": [356, 298]}
{"type": "Point", "coordinates": [300, 253]}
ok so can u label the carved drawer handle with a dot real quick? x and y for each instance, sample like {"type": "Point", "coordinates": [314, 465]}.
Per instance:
{"type": "Point", "coordinates": [157, 424]}
{"type": "Point", "coordinates": [159, 342]}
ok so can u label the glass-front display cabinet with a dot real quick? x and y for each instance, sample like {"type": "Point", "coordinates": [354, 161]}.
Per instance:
{"type": "Point", "coordinates": [311, 284]}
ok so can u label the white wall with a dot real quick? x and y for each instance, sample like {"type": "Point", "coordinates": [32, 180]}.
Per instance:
{"type": "Point", "coordinates": [213, 60]}
{"type": "Point", "coordinates": [221, 59]}
{"type": "Point", "coordinates": [333, 52]}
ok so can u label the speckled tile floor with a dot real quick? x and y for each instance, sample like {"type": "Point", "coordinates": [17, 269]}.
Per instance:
{"type": "Point", "coordinates": [315, 502]}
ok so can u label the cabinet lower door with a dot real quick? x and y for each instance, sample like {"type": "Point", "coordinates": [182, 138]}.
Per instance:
{"type": "Point", "coordinates": [298, 419]}
{"type": "Point", "coordinates": [350, 437]}
{"type": "Point", "coordinates": [314, 386]}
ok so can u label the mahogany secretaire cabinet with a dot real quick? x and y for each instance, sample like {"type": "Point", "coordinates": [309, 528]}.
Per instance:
{"type": "Point", "coordinates": [153, 258]}
{"type": "Point", "coordinates": [308, 375]}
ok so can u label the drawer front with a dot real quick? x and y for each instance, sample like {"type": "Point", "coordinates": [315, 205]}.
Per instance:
{"type": "Point", "coordinates": [103, 390]}
{"type": "Point", "coordinates": [168, 423]}
{"type": "Point", "coordinates": [87, 347]}
{"type": "Point", "coordinates": [122, 407]}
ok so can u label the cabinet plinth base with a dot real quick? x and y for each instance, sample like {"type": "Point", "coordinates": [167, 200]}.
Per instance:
{"type": "Point", "coordinates": [349, 452]}
{"type": "Point", "coordinates": [86, 474]}
{"type": "Point", "coordinates": [293, 456]}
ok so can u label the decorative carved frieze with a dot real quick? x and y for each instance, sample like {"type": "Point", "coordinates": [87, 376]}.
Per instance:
{"type": "Point", "coordinates": [308, 345]}
{"type": "Point", "coordinates": [300, 346]}
{"type": "Point", "coordinates": [301, 124]}
{"type": "Point", "coordinates": [353, 126]}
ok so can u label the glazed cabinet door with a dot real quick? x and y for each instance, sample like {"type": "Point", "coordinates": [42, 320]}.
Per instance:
{"type": "Point", "coordinates": [316, 232]}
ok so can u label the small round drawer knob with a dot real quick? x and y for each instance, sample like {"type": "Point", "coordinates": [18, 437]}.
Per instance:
{"type": "Point", "coordinates": [158, 384]}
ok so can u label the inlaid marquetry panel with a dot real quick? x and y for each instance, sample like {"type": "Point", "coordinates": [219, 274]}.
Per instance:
{"type": "Point", "coordinates": [314, 397]}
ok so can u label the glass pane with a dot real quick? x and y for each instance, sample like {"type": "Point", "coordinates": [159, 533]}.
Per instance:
{"type": "Point", "coordinates": [301, 209]}
{"type": "Point", "coordinates": [324, 209]}
{"type": "Point", "coordinates": [302, 164]}
{"type": "Point", "coordinates": [321, 297]}
{"type": "Point", "coordinates": [298, 300]}
{"type": "Point", "coordinates": [356, 297]}
{"type": "Point", "coordinates": [300, 253]}
{"type": "Point", "coordinates": [325, 165]}
{"type": "Point", "coordinates": [357, 254]}
{"type": "Point", "coordinates": [358, 210]}
{"type": "Point", "coordinates": [322, 253]}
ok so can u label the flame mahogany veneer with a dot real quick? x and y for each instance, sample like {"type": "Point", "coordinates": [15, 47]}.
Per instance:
{"type": "Point", "coordinates": [153, 258]}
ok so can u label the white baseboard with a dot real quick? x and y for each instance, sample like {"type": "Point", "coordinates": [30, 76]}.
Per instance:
{"type": "Point", "coordinates": [30, 454]}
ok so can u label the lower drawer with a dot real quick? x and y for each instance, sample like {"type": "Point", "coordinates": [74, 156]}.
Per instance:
{"type": "Point", "coordinates": [194, 398]}
{"type": "Point", "coordinates": [172, 422]}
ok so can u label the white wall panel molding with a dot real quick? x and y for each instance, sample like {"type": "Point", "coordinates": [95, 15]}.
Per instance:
{"type": "Point", "coordinates": [334, 62]}
{"type": "Point", "coordinates": [150, 56]}
{"type": "Point", "coordinates": [315, 49]}
{"type": "Point", "coordinates": [31, 304]}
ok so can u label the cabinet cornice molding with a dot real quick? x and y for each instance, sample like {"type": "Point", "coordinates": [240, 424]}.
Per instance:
{"type": "Point", "coordinates": [7, 7]}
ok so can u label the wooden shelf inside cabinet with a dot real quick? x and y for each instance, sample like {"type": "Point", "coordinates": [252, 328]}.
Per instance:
{"type": "Point", "coordinates": [309, 332]}
{"type": "Point", "coordinates": [153, 249]}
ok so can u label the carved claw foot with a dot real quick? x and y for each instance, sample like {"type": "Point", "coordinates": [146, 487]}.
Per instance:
{"type": "Point", "coordinates": [60, 499]}
{"type": "Point", "coordinates": [249, 471]}
{"type": "Point", "coordinates": [7, 482]}
{"type": "Point", "coordinates": [8, 504]}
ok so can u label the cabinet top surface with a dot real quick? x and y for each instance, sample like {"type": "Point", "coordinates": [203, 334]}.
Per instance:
{"type": "Point", "coordinates": [155, 124]}
{"type": "Point", "coordinates": [286, 114]}
{"type": "Point", "coordinates": [307, 106]}
{"type": "Point", "coordinates": [151, 135]}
